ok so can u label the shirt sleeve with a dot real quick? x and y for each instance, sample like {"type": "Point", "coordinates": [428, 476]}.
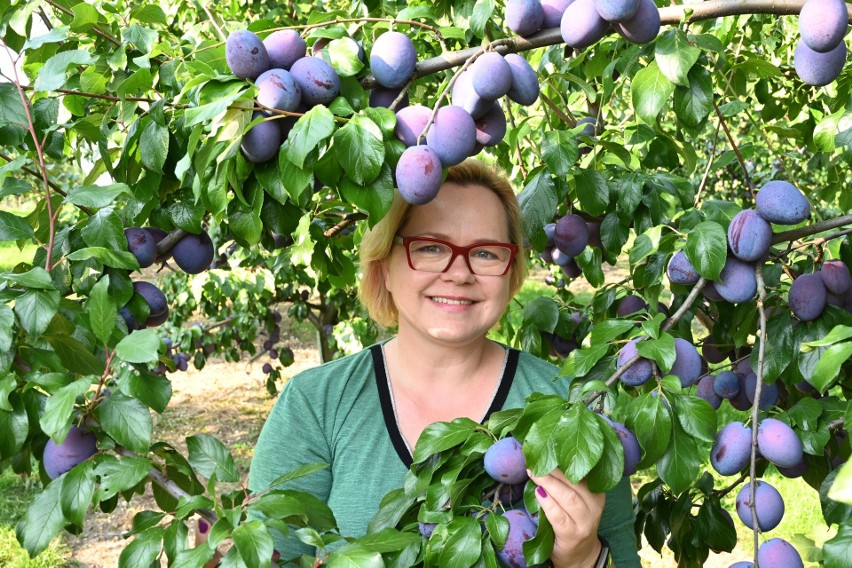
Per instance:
{"type": "Point", "coordinates": [617, 526]}
{"type": "Point", "coordinates": [293, 435]}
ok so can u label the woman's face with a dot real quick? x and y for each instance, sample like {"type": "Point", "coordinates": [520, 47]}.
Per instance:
{"type": "Point", "coordinates": [454, 307]}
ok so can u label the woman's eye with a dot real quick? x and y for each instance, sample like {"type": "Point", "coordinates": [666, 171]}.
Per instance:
{"type": "Point", "coordinates": [485, 254]}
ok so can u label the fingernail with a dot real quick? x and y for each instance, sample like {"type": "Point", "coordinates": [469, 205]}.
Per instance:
{"type": "Point", "coordinates": [276, 555]}
{"type": "Point", "coordinates": [541, 492]}
{"type": "Point", "coordinates": [203, 526]}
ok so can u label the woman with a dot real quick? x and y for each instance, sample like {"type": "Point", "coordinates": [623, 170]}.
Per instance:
{"type": "Point", "coordinates": [444, 273]}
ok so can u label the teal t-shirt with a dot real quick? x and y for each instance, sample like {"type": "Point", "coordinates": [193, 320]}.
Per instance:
{"type": "Point", "coordinates": [340, 413]}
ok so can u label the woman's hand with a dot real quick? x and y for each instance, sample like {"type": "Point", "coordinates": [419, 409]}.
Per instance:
{"type": "Point", "coordinates": [574, 513]}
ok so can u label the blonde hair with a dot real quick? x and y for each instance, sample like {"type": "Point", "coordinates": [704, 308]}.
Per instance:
{"type": "Point", "coordinates": [377, 243]}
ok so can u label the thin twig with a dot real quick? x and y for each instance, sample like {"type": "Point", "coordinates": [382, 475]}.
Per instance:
{"type": "Point", "coordinates": [761, 297]}
{"type": "Point", "coordinates": [735, 148]}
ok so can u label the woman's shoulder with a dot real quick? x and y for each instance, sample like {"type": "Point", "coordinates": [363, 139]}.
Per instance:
{"type": "Point", "coordinates": [531, 363]}
{"type": "Point", "coordinates": [333, 376]}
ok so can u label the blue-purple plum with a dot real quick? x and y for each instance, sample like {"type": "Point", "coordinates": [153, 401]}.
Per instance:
{"type": "Point", "coordinates": [246, 55]}
{"type": "Point", "coordinates": [818, 69]}
{"type": "Point", "coordinates": [510, 493]}
{"type": "Point", "coordinates": [142, 245]}
{"type": "Point", "coordinates": [262, 141]}
{"type": "Point", "coordinates": [807, 297]}
{"type": "Point", "coordinates": [393, 59]}
{"type": "Point", "coordinates": [749, 235]}
{"type": "Point", "coordinates": [822, 24]}
{"type": "Point", "coordinates": [706, 390]}
{"type": "Point", "coordinates": [559, 258]}
{"type": "Point", "coordinates": [590, 123]}
{"type": "Point", "coordinates": [782, 203]}
{"type": "Point", "coordinates": [768, 391]}
{"type": "Point", "coordinates": [561, 346]}
{"type": "Point", "coordinates": [632, 451]}
{"type": "Point", "coordinates": [418, 174]}
{"type": "Point", "coordinates": [681, 271]}
{"type": "Point", "coordinates": [726, 384]}
{"type": "Point", "coordinates": [158, 306]}
{"type": "Point", "coordinates": [550, 232]}
{"type": "Point", "coordinates": [77, 446]}
{"type": "Point", "coordinates": [317, 79]}
{"type": "Point", "coordinates": [630, 305]}
{"type": "Point", "coordinates": [594, 234]}
{"type": "Point", "coordinates": [644, 26]}
{"type": "Point", "coordinates": [709, 291]}
{"type": "Point", "coordinates": [465, 97]}
{"type": "Point", "coordinates": [553, 10]}
{"type": "Point", "coordinates": [547, 254]}
{"type": "Point", "coordinates": [572, 234]}
{"type": "Point", "coordinates": [797, 470]}
{"type": "Point", "coordinates": [426, 529]}
{"type": "Point", "coordinates": [521, 529]}
{"type": "Point", "coordinates": [617, 10]}
{"type": "Point", "coordinates": [410, 122]}
{"type": "Point", "coordinates": [491, 128]}
{"type": "Point", "coordinates": [740, 400]}
{"type": "Point", "coordinates": [737, 282]}
{"type": "Point", "coordinates": [742, 564]}
{"type": "Point", "coordinates": [491, 76]}
{"type": "Point", "coordinates": [452, 135]}
{"type": "Point", "coordinates": [732, 448]}
{"type": "Point", "coordinates": [582, 25]}
{"type": "Point", "coordinates": [779, 443]}
{"type": "Point", "coordinates": [687, 364]}
{"type": "Point", "coordinates": [193, 253]}
{"type": "Point", "coordinates": [525, 88]}
{"type": "Point", "coordinates": [284, 47]}
{"type": "Point", "coordinates": [768, 505]}
{"type": "Point", "coordinates": [639, 372]}
{"type": "Point", "coordinates": [504, 461]}
{"type": "Point", "coordinates": [572, 269]}
{"type": "Point", "coordinates": [524, 17]}
{"type": "Point", "coordinates": [276, 88]}
{"type": "Point", "coordinates": [129, 320]}
{"type": "Point", "coordinates": [835, 275]}
{"type": "Point", "coordinates": [384, 97]}
{"type": "Point", "coordinates": [778, 553]}
{"type": "Point", "coordinates": [711, 352]}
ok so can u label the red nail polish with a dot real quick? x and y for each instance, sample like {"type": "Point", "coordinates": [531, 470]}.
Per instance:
{"type": "Point", "coordinates": [541, 492]}
{"type": "Point", "coordinates": [203, 526]}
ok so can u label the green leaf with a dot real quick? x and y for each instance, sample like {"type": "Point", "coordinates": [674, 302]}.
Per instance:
{"type": "Point", "coordinates": [361, 150]}
{"type": "Point", "coordinates": [143, 550]}
{"type": "Point", "coordinates": [707, 248]}
{"type": "Point", "coordinates": [483, 11]}
{"type": "Point", "coordinates": [152, 390]}
{"type": "Point", "coordinates": [14, 228]}
{"type": "Point", "coordinates": [343, 54]}
{"type": "Point", "coordinates": [828, 368]}
{"type": "Point", "coordinates": [78, 489]}
{"type": "Point", "coordinates": [581, 442]}
{"type": "Point", "coordinates": [661, 350]}
{"type": "Point", "coordinates": [606, 331]}
{"type": "Point", "coordinates": [838, 333]}
{"type": "Point", "coordinates": [779, 349]}
{"type": "Point", "coordinates": [559, 151]}
{"type": "Point", "coordinates": [592, 191]}
{"type": "Point", "coordinates": [15, 427]}
{"type": "Point", "coordinates": [53, 75]}
{"type": "Point", "coordinates": [58, 410]}
{"type": "Point", "coordinates": [113, 258]}
{"type": "Point", "coordinates": [12, 110]}
{"type": "Point", "coordinates": [651, 421]}
{"type": "Point", "coordinates": [85, 17]}
{"type": "Point", "coordinates": [841, 488]}
{"type": "Point", "coordinates": [102, 310]}
{"type": "Point", "coordinates": [105, 229]}
{"type": "Point", "coordinates": [696, 416]}
{"type": "Point", "coordinates": [37, 277]}
{"type": "Point", "coordinates": [127, 421]}
{"type": "Point", "coordinates": [837, 551]}
{"type": "Point", "coordinates": [154, 146]}
{"type": "Point", "coordinates": [7, 385]}
{"type": "Point", "coordinates": [314, 128]}
{"type": "Point", "coordinates": [35, 309]}
{"type": "Point", "coordinates": [187, 216]}
{"type": "Point", "coordinates": [581, 361]}
{"type": "Point", "coordinates": [375, 199]}
{"type": "Point", "coordinates": [463, 543]}
{"type": "Point", "coordinates": [43, 520]}
{"type": "Point", "coordinates": [354, 556]}
{"type": "Point", "coordinates": [680, 465]}
{"type": "Point", "coordinates": [209, 457]}
{"type": "Point", "coordinates": [149, 14]}
{"type": "Point", "coordinates": [650, 92]}
{"type": "Point", "coordinates": [117, 475]}
{"type": "Point", "coordinates": [253, 542]}
{"type": "Point", "coordinates": [539, 548]}
{"type": "Point", "coordinates": [538, 201]}
{"type": "Point", "coordinates": [543, 313]}
{"type": "Point", "coordinates": [442, 436]}
{"type": "Point", "coordinates": [139, 347]}
{"type": "Point", "coordinates": [75, 356]}
{"type": "Point", "coordinates": [675, 56]}
{"type": "Point", "coordinates": [300, 471]}
{"type": "Point", "coordinates": [692, 104]}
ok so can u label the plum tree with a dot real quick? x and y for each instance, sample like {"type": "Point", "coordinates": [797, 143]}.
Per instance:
{"type": "Point", "coordinates": [737, 282]}
{"type": "Point", "coordinates": [419, 174]}
{"type": "Point", "coordinates": [778, 443]}
{"type": "Point", "coordinates": [246, 55]}
{"type": "Point", "coordinates": [393, 58]}
{"type": "Point", "coordinates": [823, 23]}
{"type": "Point", "coordinates": [78, 445]}
{"type": "Point", "coordinates": [521, 529]}
{"type": "Point", "coordinates": [807, 297]}
{"type": "Point", "coordinates": [571, 235]}
{"type": "Point", "coordinates": [782, 203]}
{"type": "Point", "coordinates": [262, 141]}
{"type": "Point", "coordinates": [582, 25]}
{"type": "Point", "coordinates": [410, 122]}
{"type": "Point", "coordinates": [284, 48]}
{"type": "Point", "coordinates": [317, 80]}
{"type": "Point", "coordinates": [276, 88]}
{"type": "Point", "coordinates": [687, 364]}
{"type": "Point", "coordinates": [491, 76]}
{"type": "Point", "coordinates": [193, 253]}
{"type": "Point", "coordinates": [816, 68]}
{"type": "Point", "coordinates": [524, 17]}
{"type": "Point", "coordinates": [504, 461]}
{"type": "Point", "coordinates": [142, 245]}
{"type": "Point", "coordinates": [524, 89]}
{"type": "Point", "coordinates": [452, 135]}
{"type": "Point", "coordinates": [617, 10]}
{"type": "Point", "coordinates": [778, 553]}
{"type": "Point", "coordinates": [749, 235]}
{"type": "Point", "coordinates": [644, 26]}
{"type": "Point", "coordinates": [553, 10]}
{"type": "Point", "coordinates": [731, 449]}
{"type": "Point", "coordinates": [639, 372]}
{"type": "Point", "coordinates": [768, 505]}
{"type": "Point", "coordinates": [158, 305]}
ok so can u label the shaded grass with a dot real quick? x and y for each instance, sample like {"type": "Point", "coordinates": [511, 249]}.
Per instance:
{"type": "Point", "coordinates": [10, 254]}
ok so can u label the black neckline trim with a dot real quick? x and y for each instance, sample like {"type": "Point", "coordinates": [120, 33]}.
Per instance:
{"type": "Point", "coordinates": [387, 407]}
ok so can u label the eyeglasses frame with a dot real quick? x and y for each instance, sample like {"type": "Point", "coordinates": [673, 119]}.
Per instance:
{"type": "Point", "coordinates": [457, 251]}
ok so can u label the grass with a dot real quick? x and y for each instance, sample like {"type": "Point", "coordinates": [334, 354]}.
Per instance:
{"type": "Point", "coordinates": [10, 254]}
{"type": "Point", "coordinates": [15, 495]}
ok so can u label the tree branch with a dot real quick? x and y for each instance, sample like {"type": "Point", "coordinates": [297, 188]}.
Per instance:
{"type": "Point", "coordinates": [808, 230]}
{"type": "Point", "coordinates": [95, 29]}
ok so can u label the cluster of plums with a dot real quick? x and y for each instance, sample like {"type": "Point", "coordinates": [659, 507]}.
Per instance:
{"type": "Point", "coordinates": [821, 52]}
{"type": "Point", "coordinates": [566, 238]}
{"type": "Point", "coordinates": [193, 253]}
{"type": "Point", "coordinates": [780, 445]}
{"type": "Point", "coordinates": [811, 293]}
{"type": "Point", "coordinates": [285, 356]}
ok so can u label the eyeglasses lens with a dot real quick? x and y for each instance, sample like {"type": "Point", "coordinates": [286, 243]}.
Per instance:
{"type": "Point", "coordinates": [430, 256]}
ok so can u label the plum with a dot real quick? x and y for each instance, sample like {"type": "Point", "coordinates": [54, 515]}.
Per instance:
{"type": "Point", "coordinates": [818, 69]}
{"type": "Point", "coordinates": [797, 470]}
{"type": "Point", "coordinates": [276, 88]}
{"type": "Point", "coordinates": [639, 372]}
{"type": "Point", "coordinates": [419, 174]}
{"type": "Point", "coordinates": [262, 141]}
{"type": "Point", "coordinates": [778, 553]}
{"type": "Point", "coordinates": [742, 564]}
{"type": "Point", "coordinates": [822, 24]}
{"type": "Point", "coordinates": [572, 234]}
{"type": "Point", "coordinates": [504, 461]}
{"type": "Point", "coordinates": [246, 55]}
{"type": "Point", "coordinates": [681, 271]}
{"type": "Point", "coordinates": [384, 97]}
{"type": "Point", "coordinates": [317, 79]}
{"type": "Point", "coordinates": [707, 390]}
{"type": "Point", "coordinates": [524, 17]}
{"type": "Point", "coordinates": [129, 320]}
{"type": "Point", "coordinates": [779, 443]}
{"type": "Point", "coordinates": [452, 135]}
{"type": "Point", "coordinates": [687, 364]}
{"type": "Point", "coordinates": [644, 26]}
{"type": "Point", "coordinates": [630, 305]}
{"type": "Point", "coordinates": [491, 76]}
{"type": "Point", "coordinates": [77, 446]}
{"type": "Point", "coordinates": [732, 448]}
{"type": "Point", "coordinates": [572, 269]}
{"type": "Point", "coordinates": [726, 384]}
{"type": "Point", "coordinates": [426, 529]}
{"type": "Point", "coordinates": [393, 59]}
{"type": "Point", "coordinates": [737, 282]}
{"type": "Point", "coordinates": [525, 88]}
{"type": "Point", "coordinates": [562, 346]}
{"type": "Point", "coordinates": [768, 505]}
{"type": "Point", "coordinates": [768, 391]}
{"type": "Point", "coordinates": [142, 245]}
{"type": "Point", "coordinates": [491, 128]}
{"type": "Point", "coordinates": [711, 352]}
{"type": "Point", "coordinates": [193, 253]}
{"type": "Point", "coordinates": [559, 258]}
{"type": "Point", "coordinates": [410, 122]}
{"type": "Point", "coordinates": [465, 97]}
{"type": "Point", "coordinates": [835, 275]}
{"type": "Point", "coordinates": [782, 203]}
{"type": "Point", "coordinates": [807, 297]}
{"type": "Point", "coordinates": [284, 47]}
{"type": "Point", "coordinates": [616, 10]}
{"type": "Point", "coordinates": [582, 25]}
{"type": "Point", "coordinates": [553, 10]}
{"type": "Point", "coordinates": [510, 493]}
{"type": "Point", "coordinates": [158, 306]}
{"type": "Point", "coordinates": [632, 451]}
{"type": "Point", "coordinates": [749, 235]}
{"type": "Point", "coordinates": [521, 528]}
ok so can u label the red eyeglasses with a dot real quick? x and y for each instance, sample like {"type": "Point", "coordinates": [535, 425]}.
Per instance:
{"type": "Point", "coordinates": [428, 254]}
